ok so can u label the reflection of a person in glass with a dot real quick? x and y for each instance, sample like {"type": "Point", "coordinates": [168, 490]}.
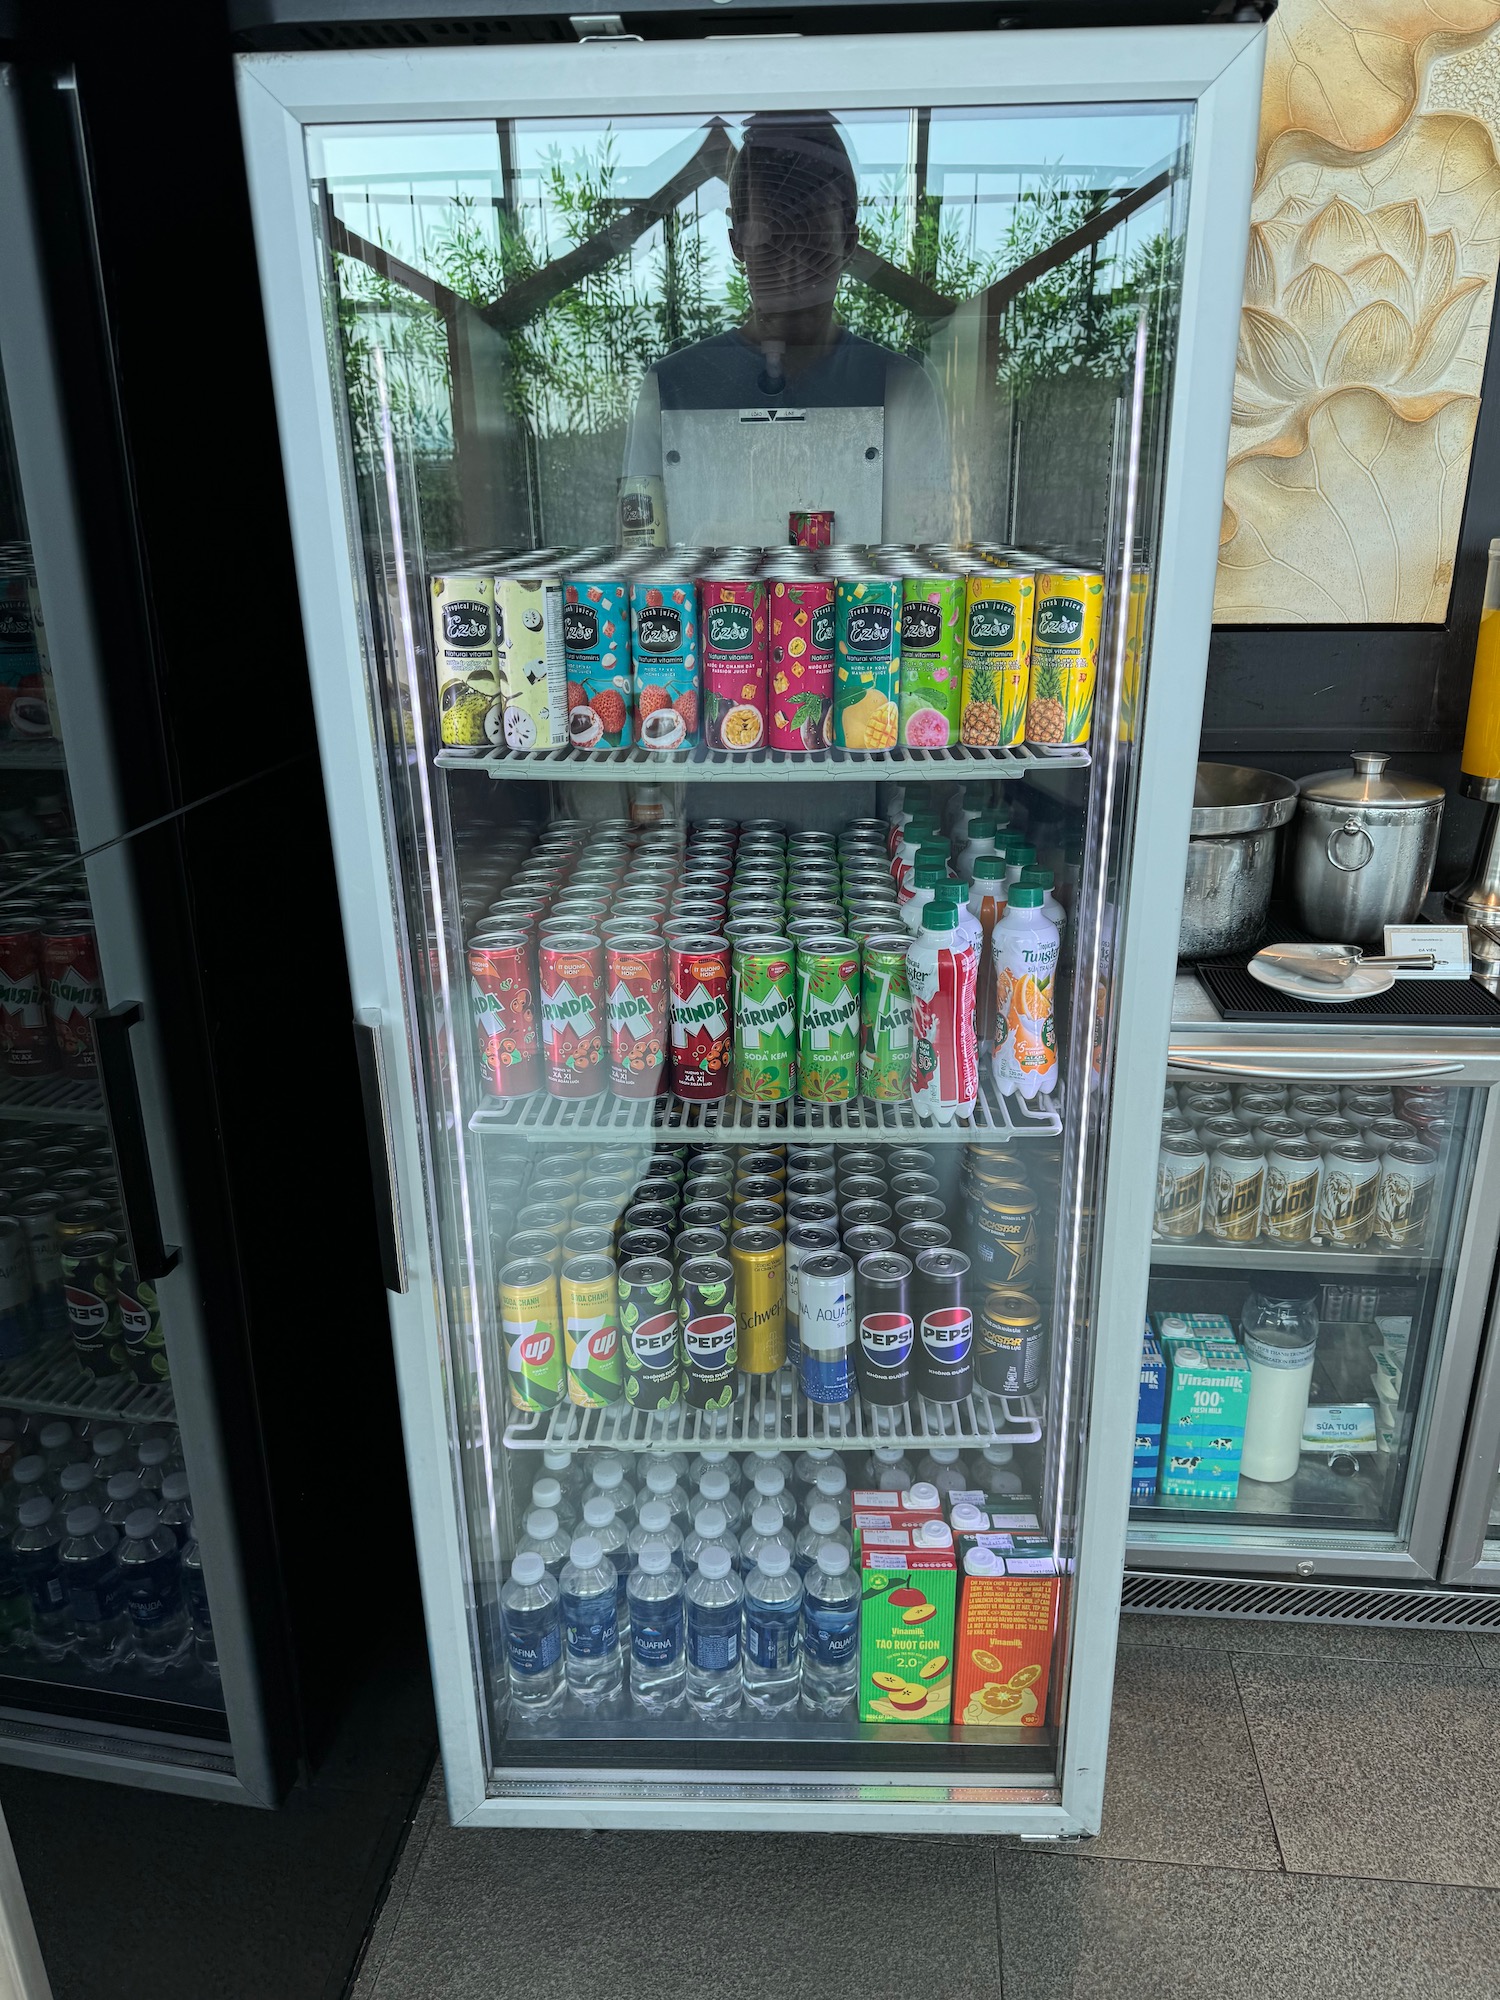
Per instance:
{"type": "Point", "coordinates": [793, 207]}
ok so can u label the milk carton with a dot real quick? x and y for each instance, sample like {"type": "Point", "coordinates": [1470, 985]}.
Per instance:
{"type": "Point", "coordinates": [1205, 1432]}
{"type": "Point", "coordinates": [1151, 1404]}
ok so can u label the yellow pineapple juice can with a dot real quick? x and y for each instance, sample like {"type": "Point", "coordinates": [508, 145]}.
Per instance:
{"type": "Point", "coordinates": [1064, 656]}
{"type": "Point", "coordinates": [1136, 622]}
{"type": "Point", "coordinates": [997, 650]}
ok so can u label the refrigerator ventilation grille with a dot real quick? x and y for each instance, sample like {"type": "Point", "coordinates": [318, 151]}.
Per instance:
{"type": "Point", "coordinates": [862, 1118]}
{"type": "Point", "coordinates": [54, 1381]}
{"type": "Point", "coordinates": [1308, 1603]}
{"type": "Point", "coordinates": [778, 1413]}
{"type": "Point", "coordinates": [763, 766]}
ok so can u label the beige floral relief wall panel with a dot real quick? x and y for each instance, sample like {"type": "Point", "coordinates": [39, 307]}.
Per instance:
{"type": "Point", "coordinates": [1374, 242]}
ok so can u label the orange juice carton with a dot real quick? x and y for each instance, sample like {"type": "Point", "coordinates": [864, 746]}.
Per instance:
{"type": "Point", "coordinates": [906, 1634]}
{"type": "Point", "coordinates": [1002, 1647]}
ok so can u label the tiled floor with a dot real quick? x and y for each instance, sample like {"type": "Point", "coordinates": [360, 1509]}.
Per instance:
{"type": "Point", "coordinates": [1303, 1811]}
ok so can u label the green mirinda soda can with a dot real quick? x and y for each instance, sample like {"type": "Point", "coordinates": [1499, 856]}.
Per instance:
{"type": "Point", "coordinates": [764, 991]}
{"type": "Point", "coordinates": [885, 1018]}
{"type": "Point", "coordinates": [828, 988]}
{"type": "Point", "coordinates": [867, 662]}
{"type": "Point", "coordinates": [932, 658]}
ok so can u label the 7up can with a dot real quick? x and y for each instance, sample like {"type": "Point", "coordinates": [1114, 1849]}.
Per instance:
{"type": "Point", "coordinates": [997, 650]}
{"type": "Point", "coordinates": [530, 1327]}
{"type": "Point", "coordinates": [591, 1340]}
{"type": "Point", "coordinates": [1065, 656]}
{"type": "Point", "coordinates": [765, 1020]}
{"type": "Point", "coordinates": [828, 985]}
{"type": "Point", "coordinates": [885, 1019]}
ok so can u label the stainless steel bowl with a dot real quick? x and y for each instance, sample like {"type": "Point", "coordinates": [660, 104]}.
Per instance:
{"type": "Point", "coordinates": [1231, 861]}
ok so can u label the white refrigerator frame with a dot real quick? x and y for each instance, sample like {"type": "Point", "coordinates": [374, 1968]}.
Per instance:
{"type": "Point", "coordinates": [1218, 71]}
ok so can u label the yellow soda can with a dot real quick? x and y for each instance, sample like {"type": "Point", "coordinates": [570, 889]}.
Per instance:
{"type": "Point", "coordinates": [759, 1260]}
{"type": "Point", "coordinates": [997, 650]}
{"type": "Point", "coordinates": [591, 1338]}
{"type": "Point", "coordinates": [1064, 656]}
{"type": "Point", "coordinates": [1136, 626]}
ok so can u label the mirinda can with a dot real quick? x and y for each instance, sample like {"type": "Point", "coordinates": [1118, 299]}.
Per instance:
{"type": "Point", "coordinates": [25, 1039]}
{"type": "Point", "coordinates": [504, 1014]}
{"type": "Point", "coordinates": [800, 662]}
{"type": "Point", "coordinates": [699, 1008]}
{"type": "Point", "coordinates": [570, 969]}
{"type": "Point", "coordinates": [635, 988]}
{"type": "Point", "coordinates": [732, 612]}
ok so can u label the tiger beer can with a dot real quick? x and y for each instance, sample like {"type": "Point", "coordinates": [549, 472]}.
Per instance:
{"type": "Point", "coordinates": [710, 1344]}
{"type": "Point", "coordinates": [1294, 1168]}
{"type": "Point", "coordinates": [1181, 1183]}
{"type": "Point", "coordinates": [1403, 1201]}
{"type": "Point", "coordinates": [759, 1260]}
{"type": "Point", "coordinates": [650, 1337]}
{"type": "Point", "coordinates": [591, 1339]}
{"type": "Point", "coordinates": [531, 1329]}
{"type": "Point", "coordinates": [1346, 1198]}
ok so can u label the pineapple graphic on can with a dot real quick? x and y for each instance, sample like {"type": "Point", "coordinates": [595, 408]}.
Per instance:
{"type": "Point", "coordinates": [997, 649]}
{"type": "Point", "coordinates": [1064, 657]}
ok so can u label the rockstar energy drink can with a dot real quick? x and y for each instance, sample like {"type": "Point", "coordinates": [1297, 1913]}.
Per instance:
{"type": "Point", "coordinates": [759, 1260]}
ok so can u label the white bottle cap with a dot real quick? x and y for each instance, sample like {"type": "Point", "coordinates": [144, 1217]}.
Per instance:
{"type": "Point", "coordinates": [767, 1518]}
{"type": "Point", "coordinates": [608, 1476]}
{"type": "Point", "coordinates": [944, 1454]}
{"type": "Point", "coordinates": [831, 1479]}
{"type": "Point", "coordinates": [713, 1561]}
{"type": "Point", "coordinates": [82, 1520]}
{"type": "Point", "coordinates": [586, 1553]}
{"type": "Point", "coordinates": [924, 1494]}
{"type": "Point", "coordinates": [818, 1452]}
{"type": "Point", "coordinates": [766, 1453]}
{"type": "Point", "coordinates": [175, 1486]}
{"type": "Point", "coordinates": [528, 1568]}
{"type": "Point", "coordinates": [655, 1517]}
{"type": "Point", "coordinates": [998, 1454]}
{"type": "Point", "coordinates": [774, 1559]}
{"type": "Point", "coordinates": [823, 1518]}
{"type": "Point", "coordinates": [833, 1559]}
{"type": "Point", "coordinates": [546, 1493]}
{"type": "Point", "coordinates": [541, 1522]}
{"type": "Point", "coordinates": [557, 1461]}
{"type": "Point", "coordinates": [655, 1558]}
{"type": "Point", "coordinates": [27, 1471]}
{"type": "Point", "coordinates": [141, 1525]}
{"type": "Point", "coordinates": [599, 1511]}
{"type": "Point", "coordinates": [972, 1518]}
{"type": "Point", "coordinates": [660, 1478]}
{"type": "Point", "coordinates": [714, 1485]}
{"type": "Point", "coordinates": [713, 1456]}
{"type": "Point", "coordinates": [769, 1480]}
{"type": "Point", "coordinates": [710, 1523]}
{"type": "Point", "coordinates": [888, 1454]}
{"type": "Point", "coordinates": [122, 1485]}
{"type": "Point", "coordinates": [39, 1508]}
{"type": "Point", "coordinates": [151, 1451]}
{"type": "Point", "coordinates": [73, 1477]}
{"type": "Point", "coordinates": [107, 1443]}
{"type": "Point", "coordinates": [983, 1562]}
{"type": "Point", "coordinates": [53, 1435]}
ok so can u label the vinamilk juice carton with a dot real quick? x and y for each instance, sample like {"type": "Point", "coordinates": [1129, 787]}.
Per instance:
{"type": "Point", "coordinates": [1002, 1650]}
{"type": "Point", "coordinates": [1205, 1427]}
{"type": "Point", "coordinates": [906, 1632]}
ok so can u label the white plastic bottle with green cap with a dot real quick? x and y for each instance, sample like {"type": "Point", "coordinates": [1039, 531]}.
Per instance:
{"type": "Point", "coordinates": [1025, 951]}
{"type": "Point", "coordinates": [979, 840]}
{"type": "Point", "coordinates": [1052, 910]}
{"type": "Point", "coordinates": [941, 970]}
{"type": "Point", "coordinates": [925, 880]}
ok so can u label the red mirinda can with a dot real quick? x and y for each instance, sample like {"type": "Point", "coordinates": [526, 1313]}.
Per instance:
{"type": "Point", "coordinates": [732, 625]}
{"type": "Point", "coordinates": [701, 1038]}
{"type": "Point", "coordinates": [500, 993]}
{"type": "Point", "coordinates": [635, 988]}
{"type": "Point", "coordinates": [570, 973]}
{"type": "Point", "coordinates": [75, 992]}
{"type": "Point", "coordinates": [25, 1037]}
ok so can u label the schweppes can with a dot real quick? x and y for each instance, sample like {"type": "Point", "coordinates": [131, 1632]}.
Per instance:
{"type": "Point", "coordinates": [591, 1339]}
{"type": "Point", "coordinates": [759, 1260]}
{"type": "Point", "coordinates": [1065, 638]}
{"type": "Point", "coordinates": [532, 1332]}
{"type": "Point", "coordinates": [649, 1337]}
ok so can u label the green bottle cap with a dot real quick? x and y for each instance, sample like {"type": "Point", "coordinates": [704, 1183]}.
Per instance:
{"type": "Point", "coordinates": [988, 867]}
{"type": "Point", "coordinates": [1037, 878]}
{"type": "Point", "coordinates": [929, 876]}
{"type": "Point", "coordinates": [940, 916]}
{"type": "Point", "coordinates": [1022, 853]}
{"type": "Point", "coordinates": [982, 829]}
{"type": "Point", "coordinates": [1024, 896]}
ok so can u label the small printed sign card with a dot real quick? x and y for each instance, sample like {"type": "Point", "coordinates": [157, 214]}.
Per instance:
{"type": "Point", "coordinates": [1447, 944]}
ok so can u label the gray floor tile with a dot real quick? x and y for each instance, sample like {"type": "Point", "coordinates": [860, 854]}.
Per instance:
{"type": "Point", "coordinates": [1182, 1784]}
{"type": "Point", "coordinates": [432, 1810]}
{"type": "Point", "coordinates": [1379, 1770]}
{"type": "Point", "coordinates": [1265, 1635]}
{"type": "Point", "coordinates": [677, 1916]}
{"type": "Point", "coordinates": [1126, 1930]}
{"type": "Point", "coordinates": [1487, 1647]}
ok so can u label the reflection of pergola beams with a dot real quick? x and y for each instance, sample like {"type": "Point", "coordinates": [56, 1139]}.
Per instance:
{"type": "Point", "coordinates": [384, 265]}
{"type": "Point", "coordinates": [899, 286]}
{"type": "Point", "coordinates": [999, 295]}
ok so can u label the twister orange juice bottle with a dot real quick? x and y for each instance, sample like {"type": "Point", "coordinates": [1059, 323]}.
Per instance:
{"type": "Point", "coordinates": [1025, 950]}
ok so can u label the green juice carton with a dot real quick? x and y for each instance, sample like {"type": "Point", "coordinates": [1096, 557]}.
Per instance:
{"type": "Point", "coordinates": [906, 1634]}
{"type": "Point", "coordinates": [1207, 1399]}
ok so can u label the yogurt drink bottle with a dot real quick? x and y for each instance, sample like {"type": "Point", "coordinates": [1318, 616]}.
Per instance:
{"type": "Point", "coordinates": [941, 969]}
{"type": "Point", "coordinates": [1025, 948]}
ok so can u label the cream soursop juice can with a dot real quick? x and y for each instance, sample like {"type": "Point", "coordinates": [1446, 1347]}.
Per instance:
{"type": "Point", "coordinates": [533, 668]}
{"type": "Point", "coordinates": [464, 653]}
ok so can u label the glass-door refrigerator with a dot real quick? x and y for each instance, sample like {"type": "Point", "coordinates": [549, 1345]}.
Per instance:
{"type": "Point", "coordinates": [755, 506]}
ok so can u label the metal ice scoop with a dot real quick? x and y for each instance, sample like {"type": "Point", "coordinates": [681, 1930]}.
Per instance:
{"type": "Point", "coordinates": [1332, 965]}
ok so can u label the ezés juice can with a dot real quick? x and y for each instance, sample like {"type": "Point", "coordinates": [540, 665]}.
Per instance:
{"type": "Point", "coordinates": [733, 613]}
{"type": "Point", "coordinates": [867, 662]}
{"type": "Point", "coordinates": [596, 645]}
{"type": "Point", "coordinates": [665, 655]}
{"type": "Point", "coordinates": [465, 660]}
{"type": "Point", "coordinates": [533, 670]}
{"type": "Point", "coordinates": [997, 652]}
{"type": "Point", "coordinates": [932, 631]}
{"type": "Point", "coordinates": [800, 662]}
{"type": "Point", "coordinates": [1065, 656]}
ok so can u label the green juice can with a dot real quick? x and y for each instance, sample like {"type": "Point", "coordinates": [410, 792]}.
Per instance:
{"type": "Point", "coordinates": [932, 659]}
{"type": "Point", "coordinates": [828, 983]}
{"type": "Point", "coordinates": [764, 993]}
{"type": "Point", "coordinates": [885, 1018]}
{"type": "Point", "coordinates": [867, 662]}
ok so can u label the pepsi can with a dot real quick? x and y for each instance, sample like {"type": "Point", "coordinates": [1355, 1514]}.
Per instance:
{"type": "Point", "coordinates": [944, 1325]}
{"type": "Point", "coordinates": [883, 1358]}
{"type": "Point", "coordinates": [649, 1332]}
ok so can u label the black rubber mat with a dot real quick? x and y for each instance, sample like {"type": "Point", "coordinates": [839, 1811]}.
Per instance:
{"type": "Point", "coordinates": [1410, 1003]}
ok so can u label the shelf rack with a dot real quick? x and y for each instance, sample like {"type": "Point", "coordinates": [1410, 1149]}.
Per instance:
{"type": "Point", "coordinates": [774, 1411]}
{"type": "Point", "coordinates": [1308, 1257]}
{"type": "Point", "coordinates": [33, 753]}
{"type": "Point", "coordinates": [53, 1100]}
{"type": "Point", "coordinates": [622, 1119]}
{"type": "Point", "coordinates": [701, 765]}
{"type": "Point", "coordinates": [56, 1382]}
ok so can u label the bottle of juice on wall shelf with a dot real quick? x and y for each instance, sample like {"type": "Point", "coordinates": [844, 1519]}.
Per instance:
{"type": "Point", "coordinates": [969, 927]}
{"type": "Point", "coordinates": [941, 970]}
{"type": "Point", "coordinates": [1025, 952]}
{"type": "Point", "coordinates": [929, 873]}
{"type": "Point", "coordinates": [979, 840]}
{"type": "Point", "coordinates": [987, 904]}
{"type": "Point", "coordinates": [1052, 910]}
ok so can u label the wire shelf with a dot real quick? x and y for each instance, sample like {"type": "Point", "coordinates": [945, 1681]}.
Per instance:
{"type": "Point", "coordinates": [32, 753]}
{"type": "Point", "coordinates": [1327, 1258]}
{"type": "Point", "coordinates": [862, 1119]}
{"type": "Point", "coordinates": [701, 765]}
{"type": "Point", "coordinates": [773, 1410]}
{"type": "Point", "coordinates": [51, 1099]}
{"type": "Point", "coordinates": [55, 1381]}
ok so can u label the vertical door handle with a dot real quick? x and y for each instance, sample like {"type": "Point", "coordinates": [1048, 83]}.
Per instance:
{"type": "Point", "coordinates": [371, 1057]}
{"type": "Point", "coordinates": [122, 1104]}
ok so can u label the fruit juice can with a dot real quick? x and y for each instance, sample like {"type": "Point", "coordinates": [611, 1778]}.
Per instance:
{"type": "Point", "coordinates": [885, 1018]}
{"type": "Point", "coordinates": [466, 662]}
{"type": "Point", "coordinates": [642, 499]}
{"type": "Point", "coordinates": [591, 1339]}
{"type": "Point", "coordinates": [1136, 625]}
{"type": "Point", "coordinates": [828, 1009]}
{"type": "Point", "coordinates": [709, 1332]}
{"type": "Point", "coordinates": [635, 998]}
{"type": "Point", "coordinates": [810, 527]}
{"type": "Point", "coordinates": [1064, 656]}
{"type": "Point", "coordinates": [732, 613]}
{"type": "Point", "coordinates": [867, 662]}
{"type": "Point", "coordinates": [531, 1327]}
{"type": "Point", "coordinates": [998, 607]}
{"type": "Point", "coordinates": [759, 1260]}
{"type": "Point", "coordinates": [571, 977]}
{"type": "Point", "coordinates": [699, 1005]}
{"type": "Point", "coordinates": [650, 1337]}
{"type": "Point", "coordinates": [800, 662]}
{"type": "Point", "coordinates": [596, 646]}
{"type": "Point", "coordinates": [764, 1003]}
{"type": "Point", "coordinates": [665, 659]}
{"type": "Point", "coordinates": [932, 634]}
{"type": "Point", "coordinates": [533, 668]}
{"type": "Point", "coordinates": [504, 1014]}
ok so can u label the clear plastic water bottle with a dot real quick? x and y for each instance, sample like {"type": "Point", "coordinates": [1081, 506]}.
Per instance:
{"type": "Point", "coordinates": [77, 1487]}
{"type": "Point", "coordinates": [714, 1490]}
{"type": "Point", "coordinates": [767, 1454]}
{"type": "Point", "coordinates": [34, 1545]}
{"type": "Point", "coordinates": [591, 1632]}
{"type": "Point", "coordinates": [151, 1457]}
{"type": "Point", "coordinates": [768, 1527]}
{"type": "Point", "coordinates": [564, 1467]}
{"type": "Point", "coordinates": [531, 1612]}
{"type": "Point", "coordinates": [609, 1479]}
{"type": "Point", "coordinates": [109, 1454]}
{"type": "Point", "coordinates": [714, 1460]}
{"type": "Point", "coordinates": [654, 1523]}
{"type": "Point", "coordinates": [809, 1464]}
{"type": "Point", "coordinates": [995, 1470]}
{"type": "Point", "coordinates": [544, 1534]}
{"type": "Point", "coordinates": [888, 1469]}
{"type": "Point", "coordinates": [661, 1484]}
{"type": "Point", "coordinates": [773, 1631]}
{"type": "Point", "coordinates": [678, 1462]}
{"type": "Point", "coordinates": [770, 1489]}
{"type": "Point", "coordinates": [177, 1507]}
{"type": "Point", "coordinates": [609, 1531]}
{"type": "Point", "coordinates": [831, 1488]}
{"type": "Point", "coordinates": [944, 1468]}
{"type": "Point", "coordinates": [15, 1604]}
{"type": "Point", "coordinates": [830, 1633]}
{"type": "Point", "coordinates": [152, 1566]}
{"type": "Point", "coordinates": [195, 1591]}
{"type": "Point", "coordinates": [823, 1525]}
{"type": "Point", "coordinates": [658, 1632]}
{"type": "Point", "coordinates": [714, 1596]}
{"type": "Point", "coordinates": [711, 1527]}
{"type": "Point", "coordinates": [88, 1562]}
{"type": "Point", "coordinates": [55, 1440]}
{"type": "Point", "coordinates": [548, 1494]}
{"type": "Point", "coordinates": [122, 1495]}
{"type": "Point", "coordinates": [28, 1479]}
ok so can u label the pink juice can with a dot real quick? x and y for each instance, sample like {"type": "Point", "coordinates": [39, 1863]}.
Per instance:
{"type": "Point", "coordinates": [732, 626]}
{"type": "Point", "coordinates": [800, 662]}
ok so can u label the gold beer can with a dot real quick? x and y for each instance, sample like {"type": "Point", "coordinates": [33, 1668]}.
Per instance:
{"type": "Point", "coordinates": [1294, 1169]}
{"type": "Point", "coordinates": [1181, 1183]}
{"type": "Point", "coordinates": [1065, 638]}
{"type": "Point", "coordinates": [1236, 1185]}
{"type": "Point", "coordinates": [759, 1260]}
{"type": "Point", "coordinates": [1346, 1199]}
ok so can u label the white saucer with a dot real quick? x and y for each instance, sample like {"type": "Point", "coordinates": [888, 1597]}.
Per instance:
{"type": "Point", "coordinates": [1360, 984]}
